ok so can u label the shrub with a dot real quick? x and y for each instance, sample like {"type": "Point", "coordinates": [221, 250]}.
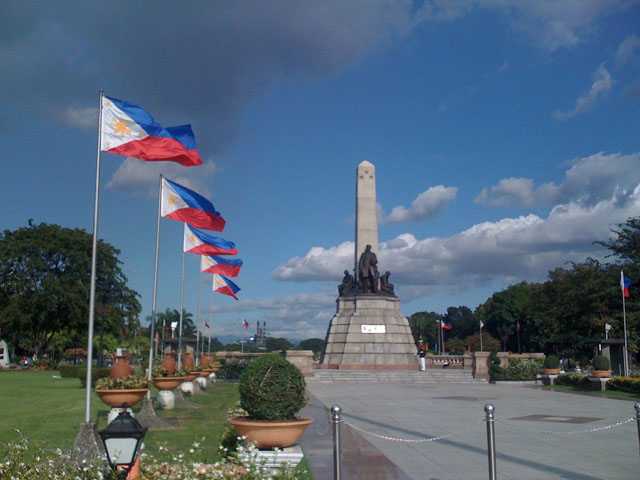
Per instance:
{"type": "Point", "coordinates": [231, 370]}
{"type": "Point", "coordinates": [625, 384]}
{"type": "Point", "coordinates": [123, 383]}
{"type": "Point", "coordinates": [600, 362]}
{"type": "Point", "coordinates": [71, 371]}
{"type": "Point", "coordinates": [574, 379]}
{"type": "Point", "coordinates": [272, 388]}
{"type": "Point", "coordinates": [96, 374]}
{"type": "Point", "coordinates": [551, 361]}
{"type": "Point", "coordinates": [523, 370]}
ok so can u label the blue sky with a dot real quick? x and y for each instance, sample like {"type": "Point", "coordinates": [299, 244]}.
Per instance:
{"type": "Point", "coordinates": [505, 136]}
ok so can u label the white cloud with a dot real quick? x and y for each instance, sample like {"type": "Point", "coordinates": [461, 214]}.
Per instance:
{"type": "Point", "coordinates": [627, 49]}
{"type": "Point", "coordinates": [81, 117]}
{"type": "Point", "coordinates": [426, 206]}
{"type": "Point", "coordinates": [137, 176]}
{"type": "Point", "coordinates": [602, 83]}
{"type": "Point", "coordinates": [589, 180]}
{"type": "Point", "coordinates": [512, 249]}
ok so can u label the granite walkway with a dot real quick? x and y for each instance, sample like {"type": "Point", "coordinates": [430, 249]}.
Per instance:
{"type": "Point", "coordinates": [381, 419]}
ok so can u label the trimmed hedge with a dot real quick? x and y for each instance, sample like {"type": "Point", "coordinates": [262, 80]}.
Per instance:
{"type": "Point", "coordinates": [231, 370]}
{"type": "Point", "coordinates": [551, 361]}
{"type": "Point", "coordinates": [600, 362]}
{"type": "Point", "coordinates": [625, 384]}
{"type": "Point", "coordinates": [272, 388]}
{"type": "Point", "coordinates": [573, 379]}
{"type": "Point", "coordinates": [71, 371]}
{"type": "Point", "coordinates": [96, 373]}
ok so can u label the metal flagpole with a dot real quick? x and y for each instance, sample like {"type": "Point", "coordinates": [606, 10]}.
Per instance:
{"type": "Point", "coordinates": [181, 307]}
{"type": "Point", "coordinates": [210, 316]}
{"type": "Point", "coordinates": [624, 317]}
{"type": "Point", "coordinates": [155, 289]}
{"type": "Point", "coordinates": [198, 317]}
{"type": "Point", "coordinates": [481, 336]}
{"type": "Point", "coordinates": [94, 254]}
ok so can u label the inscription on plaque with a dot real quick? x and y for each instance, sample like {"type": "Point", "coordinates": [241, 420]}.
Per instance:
{"type": "Point", "coordinates": [372, 329]}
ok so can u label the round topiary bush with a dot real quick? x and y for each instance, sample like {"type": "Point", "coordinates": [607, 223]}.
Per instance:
{"type": "Point", "coordinates": [600, 362]}
{"type": "Point", "coordinates": [271, 388]}
{"type": "Point", "coordinates": [551, 361]}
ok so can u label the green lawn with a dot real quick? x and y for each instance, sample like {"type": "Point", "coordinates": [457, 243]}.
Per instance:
{"type": "Point", "coordinates": [48, 410]}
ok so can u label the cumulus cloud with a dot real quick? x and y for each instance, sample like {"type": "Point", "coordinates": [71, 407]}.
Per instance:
{"type": "Point", "coordinates": [589, 180]}
{"type": "Point", "coordinates": [81, 117]}
{"type": "Point", "coordinates": [602, 83]}
{"type": "Point", "coordinates": [512, 249]}
{"type": "Point", "coordinates": [426, 206]}
{"type": "Point", "coordinates": [136, 176]}
{"type": "Point", "coordinates": [627, 49]}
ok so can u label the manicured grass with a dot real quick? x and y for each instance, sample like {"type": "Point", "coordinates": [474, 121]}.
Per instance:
{"type": "Point", "coordinates": [588, 391]}
{"type": "Point", "coordinates": [49, 410]}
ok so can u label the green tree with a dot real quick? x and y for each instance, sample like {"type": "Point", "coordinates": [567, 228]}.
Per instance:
{"type": "Point", "coordinates": [316, 345]}
{"type": "Point", "coordinates": [462, 320]}
{"type": "Point", "coordinates": [169, 316]}
{"type": "Point", "coordinates": [424, 325]}
{"type": "Point", "coordinates": [503, 311]}
{"type": "Point", "coordinates": [273, 343]}
{"type": "Point", "coordinates": [44, 285]}
{"type": "Point", "coordinates": [625, 243]}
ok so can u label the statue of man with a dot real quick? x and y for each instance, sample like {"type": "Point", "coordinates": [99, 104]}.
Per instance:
{"type": "Point", "coordinates": [368, 270]}
{"type": "Point", "coordinates": [385, 285]}
{"type": "Point", "coordinates": [347, 285]}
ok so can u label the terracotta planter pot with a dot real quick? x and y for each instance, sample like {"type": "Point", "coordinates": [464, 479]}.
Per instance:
{"type": "Point", "coordinates": [121, 368]}
{"type": "Point", "coordinates": [192, 376]}
{"type": "Point", "coordinates": [601, 373]}
{"type": "Point", "coordinates": [167, 383]}
{"type": "Point", "coordinates": [203, 373]}
{"type": "Point", "coordinates": [551, 371]}
{"type": "Point", "coordinates": [116, 398]}
{"type": "Point", "coordinates": [169, 362]}
{"type": "Point", "coordinates": [187, 361]}
{"type": "Point", "coordinates": [271, 433]}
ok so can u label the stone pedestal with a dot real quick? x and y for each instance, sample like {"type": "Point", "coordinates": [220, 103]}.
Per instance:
{"type": "Point", "coordinates": [369, 332]}
{"type": "Point", "coordinates": [187, 388]}
{"type": "Point", "coordinates": [115, 411]}
{"type": "Point", "coordinates": [166, 400]}
{"type": "Point", "coordinates": [548, 379]}
{"type": "Point", "coordinates": [212, 377]}
{"type": "Point", "coordinates": [303, 359]}
{"type": "Point", "coordinates": [202, 382]}
{"type": "Point", "coordinates": [599, 384]}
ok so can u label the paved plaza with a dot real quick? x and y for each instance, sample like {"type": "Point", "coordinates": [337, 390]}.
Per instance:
{"type": "Point", "coordinates": [387, 424]}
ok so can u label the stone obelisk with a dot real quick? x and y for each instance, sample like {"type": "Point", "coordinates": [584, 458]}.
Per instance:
{"type": "Point", "coordinates": [368, 331]}
{"type": "Point", "coordinates": [366, 210]}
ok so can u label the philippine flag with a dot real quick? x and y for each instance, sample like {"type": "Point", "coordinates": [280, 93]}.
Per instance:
{"type": "Point", "coordinates": [245, 324]}
{"type": "Point", "coordinates": [180, 203]}
{"type": "Point", "coordinates": [625, 283]}
{"type": "Point", "coordinates": [446, 326]}
{"type": "Point", "coordinates": [128, 129]}
{"type": "Point", "coordinates": [229, 267]}
{"type": "Point", "coordinates": [222, 284]}
{"type": "Point", "coordinates": [202, 243]}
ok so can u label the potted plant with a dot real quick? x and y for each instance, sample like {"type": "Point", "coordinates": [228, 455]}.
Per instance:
{"type": "Point", "coordinates": [601, 367]}
{"type": "Point", "coordinates": [165, 379]}
{"type": "Point", "coordinates": [117, 391]}
{"type": "Point", "coordinates": [272, 391]}
{"type": "Point", "coordinates": [551, 365]}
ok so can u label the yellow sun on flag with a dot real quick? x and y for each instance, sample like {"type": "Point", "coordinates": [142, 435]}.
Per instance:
{"type": "Point", "coordinates": [121, 127]}
{"type": "Point", "coordinates": [172, 199]}
{"type": "Point", "coordinates": [192, 238]}
{"type": "Point", "coordinates": [219, 281]}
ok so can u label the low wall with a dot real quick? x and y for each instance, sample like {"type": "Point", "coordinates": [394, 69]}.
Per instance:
{"type": "Point", "coordinates": [303, 359]}
{"type": "Point", "coordinates": [478, 362]}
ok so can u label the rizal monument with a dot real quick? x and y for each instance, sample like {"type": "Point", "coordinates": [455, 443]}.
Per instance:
{"type": "Point", "coordinates": [368, 331]}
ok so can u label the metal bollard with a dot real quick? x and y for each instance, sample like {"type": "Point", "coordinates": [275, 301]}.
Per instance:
{"type": "Point", "coordinates": [336, 420]}
{"type": "Point", "coordinates": [637, 407]}
{"type": "Point", "coordinates": [491, 439]}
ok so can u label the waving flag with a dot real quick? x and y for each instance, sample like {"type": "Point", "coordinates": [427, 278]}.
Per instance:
{"type": "Point", "coordinates": [446, 325]}
{"type": "Point", "coordinates": [222, 284]}
{"type": "Point", "coordinates": [245, 324]}
{"type": "Point", "coordinates": [180, 203]}
{"type": "Point", "coordinates": [128, 129]}
{"type": "Point", "coordinates": [625, 283]}
{"type": "Point", "coordinates": [229, 267]}
{"type": "Point", "coordinates": [481, 324]}
{"type": "Point", "coordinates": [206, 324]}
{"type": "Point", "coordinates": [196, 241]}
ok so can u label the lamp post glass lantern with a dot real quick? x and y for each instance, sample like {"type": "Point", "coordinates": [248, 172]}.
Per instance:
{"type": "Point", "coordinates": [122, 439]}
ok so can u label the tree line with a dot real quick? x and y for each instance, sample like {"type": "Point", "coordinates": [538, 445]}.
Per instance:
{"type": "Point", "coordinates": [564, 315]}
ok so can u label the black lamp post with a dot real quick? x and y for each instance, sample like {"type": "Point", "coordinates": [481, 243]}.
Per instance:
{"type": "Point", "coordinates": [122, 439]}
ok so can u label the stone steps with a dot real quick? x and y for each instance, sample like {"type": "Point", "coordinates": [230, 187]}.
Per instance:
{"type": "Point", "coordinates": [394, 376]}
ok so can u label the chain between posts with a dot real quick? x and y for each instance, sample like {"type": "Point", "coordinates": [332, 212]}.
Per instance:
{"type": "Point", "coordinates": [415, 440]}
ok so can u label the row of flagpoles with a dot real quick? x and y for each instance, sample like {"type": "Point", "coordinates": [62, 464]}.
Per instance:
{"type": "Point", "coordinates": [127, 129]}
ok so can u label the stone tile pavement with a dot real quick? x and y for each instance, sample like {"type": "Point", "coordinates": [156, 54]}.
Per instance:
{"type": "Point", "coordinates": [400, 411]}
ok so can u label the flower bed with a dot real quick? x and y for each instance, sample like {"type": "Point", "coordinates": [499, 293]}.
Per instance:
{"type": "Point", "coordinates": [625, 384]}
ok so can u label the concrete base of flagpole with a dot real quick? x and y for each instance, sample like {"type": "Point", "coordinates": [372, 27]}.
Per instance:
{"type": "Point", "coordinates": [147, 417]}
{"type": "Point", "coordinates": [196, 388]}
{"type": "Point", "coordinates": [86, 447]}
{"type": "Point", "coordinates": [182, 403]}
